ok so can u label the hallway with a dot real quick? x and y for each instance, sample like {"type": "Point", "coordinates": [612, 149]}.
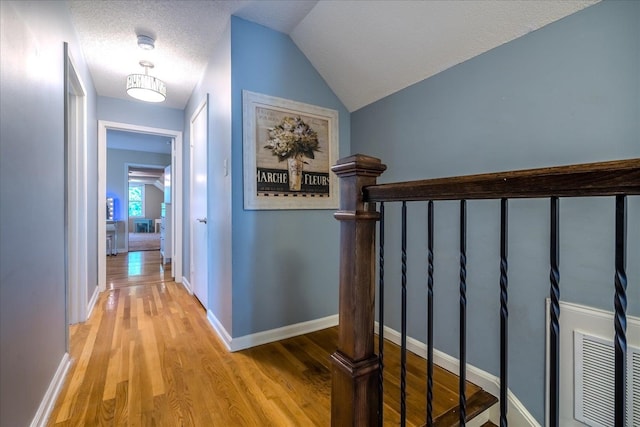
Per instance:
{"type": "Point", "coordinates": [147, 356]}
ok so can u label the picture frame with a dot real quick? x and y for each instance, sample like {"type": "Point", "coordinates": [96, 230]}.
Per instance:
{"type": "Point", "coordinates": [288, 150]}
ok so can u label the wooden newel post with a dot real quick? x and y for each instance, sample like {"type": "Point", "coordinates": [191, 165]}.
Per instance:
{"type": "Point", "coordinates": [354, 387]}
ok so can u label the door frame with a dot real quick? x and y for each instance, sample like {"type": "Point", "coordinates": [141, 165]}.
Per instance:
{"type": "Point", "coordinates": [176, 188]}
{"type": "Point", "coordinates": [76, 207]}
{"type": "Point", "coordinates": [203, 105]}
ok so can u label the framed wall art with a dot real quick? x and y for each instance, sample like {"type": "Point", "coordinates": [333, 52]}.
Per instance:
{"type": "Point", "coordinates": [288, 150]}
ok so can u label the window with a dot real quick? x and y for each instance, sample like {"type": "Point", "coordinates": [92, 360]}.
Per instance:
{"type": "Point", "coordinates": [136, 200]}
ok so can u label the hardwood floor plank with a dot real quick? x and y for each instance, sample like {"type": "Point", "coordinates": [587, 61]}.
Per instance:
{"type": "Point", "coordinates": [267, 401]}
{"type": "Point", "coordinates": [99, 357]}
{"type": "Point", "coordinates": [107, 412]}
{"type": "Point", "coordinates": [80, 333]}
{"type": "Point", "coordinates": [148, 356]}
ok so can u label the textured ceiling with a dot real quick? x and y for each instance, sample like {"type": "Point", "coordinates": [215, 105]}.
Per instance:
{"type": "Point", "coordinates": [185, 32]}
{"type": "Point", "coordinates": [365, 50]}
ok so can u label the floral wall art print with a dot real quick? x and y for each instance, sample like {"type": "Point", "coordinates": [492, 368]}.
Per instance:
{"type": "Point", "coordinates": [289, 148]}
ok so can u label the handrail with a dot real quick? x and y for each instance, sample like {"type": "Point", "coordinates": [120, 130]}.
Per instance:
{"type": "Point", "coordinates": [581, 180]}
{"type": "Point", "coordinates": [356, 369]}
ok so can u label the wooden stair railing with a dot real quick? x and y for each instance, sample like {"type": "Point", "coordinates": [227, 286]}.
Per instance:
{"type": "Point", "coordinates": [354, 387]}
{"type": "Point", "coordinates": [356, 372]}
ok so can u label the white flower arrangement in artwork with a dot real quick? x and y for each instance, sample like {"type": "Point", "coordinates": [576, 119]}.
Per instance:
{"type": "Point", "coordinates": [292, 138]}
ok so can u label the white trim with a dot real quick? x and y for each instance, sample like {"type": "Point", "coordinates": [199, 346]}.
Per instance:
{"type": "Point", "coordinates": [176, 168]}
{"type": "Point", "coordinates": [102, 214]}
{"type": "Point", "coordinates": [176, 204]}
{"type": "Point", "coordinates": [220, 330]}
{"type": "Point", "coordinates": [252, 340]}
{"type": "Point", "coordinates": [187, 285]}
{"type": "Point", "coordinates": [92, 301]}
{"type": "Point", "coordinates": [595, 312]}
{"type": "Point", "coordinates": [517, 414]}
{"type": "Point", "coordinates": [77, 195]}
{"type": "Point", "coordinates": [272, 335]}
{"type": "Point", "coordinates": [49, 399]}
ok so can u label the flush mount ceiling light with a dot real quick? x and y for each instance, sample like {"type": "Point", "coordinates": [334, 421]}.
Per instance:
{"type": "Point", "coordinates": [145, 87]}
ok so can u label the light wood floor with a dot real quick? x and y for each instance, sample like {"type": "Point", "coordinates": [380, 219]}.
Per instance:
{"type": "Point", "coordinates": [147, 356]}
{"type": "Point", "coordinates": [136, 268]}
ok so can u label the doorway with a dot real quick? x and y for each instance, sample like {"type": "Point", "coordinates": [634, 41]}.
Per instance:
{"type": "Point", "coordinates": [176, 185]}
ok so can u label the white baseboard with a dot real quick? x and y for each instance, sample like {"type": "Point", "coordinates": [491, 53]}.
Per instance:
{"type": "Point", "coordinates": [49, 399]}
{"type": "Point", "coordinates": [187, 286]}
{"type": "Point", "coordinates": [282, 333]}
{"type": "Point", "coordinates": [220, 330]}
{"type": "Point", "coordinates": [92, 302]}
{"type": "Point", "coordinates": [265, 337]}
{"type": "Point", "coordinates": [517, 414]}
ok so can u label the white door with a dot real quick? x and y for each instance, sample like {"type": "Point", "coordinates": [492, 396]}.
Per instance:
{"type": "Point", "coordinates": [198, 204]}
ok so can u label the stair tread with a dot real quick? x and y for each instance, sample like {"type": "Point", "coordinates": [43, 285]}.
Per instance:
{"type": "Point", "coordinates": [489, 424]}
{"type": "Point", "coordinates": [477, 403]}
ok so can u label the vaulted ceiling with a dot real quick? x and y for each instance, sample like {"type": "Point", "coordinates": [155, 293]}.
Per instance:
{"type": "Point", "coordinates": [365, 50]}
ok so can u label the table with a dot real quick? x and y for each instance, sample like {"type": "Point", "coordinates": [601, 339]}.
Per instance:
{"type": "Point", "coordinates": [142, 225]}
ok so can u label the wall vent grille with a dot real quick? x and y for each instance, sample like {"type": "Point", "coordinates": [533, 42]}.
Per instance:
{"type": "Point", "coordinates": [594, 381]}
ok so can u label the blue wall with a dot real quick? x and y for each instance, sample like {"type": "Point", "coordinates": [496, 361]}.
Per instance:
{"type": "Point", "coordinates": [33, 325]}
{"type": "Point", "coordinates": [567, 93]}
{"type": "Point", "coordinates": [139, 113]}
{"type": "Point", "coordinates": [285, 263]}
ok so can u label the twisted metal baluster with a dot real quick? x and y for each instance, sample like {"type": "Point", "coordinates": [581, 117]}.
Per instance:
{"type": "Point", "coordinates": [403, 344]}
{"type": "Point", "coordinates": [381, 319]}
{"type": "Point", "coordinates": [554, 326]}
{"type": "Point", "coordinates": [504, 312]}
{"type": "Point", "coordinates": [463, 312]}
{"type": "Point", "coordinates": [430, 315]}
{"type": "Point", "coordinates": [620, 318]}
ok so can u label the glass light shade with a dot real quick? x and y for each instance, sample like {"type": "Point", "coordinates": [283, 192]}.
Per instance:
{"type": "Point", "coordinates": [146, 88]}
